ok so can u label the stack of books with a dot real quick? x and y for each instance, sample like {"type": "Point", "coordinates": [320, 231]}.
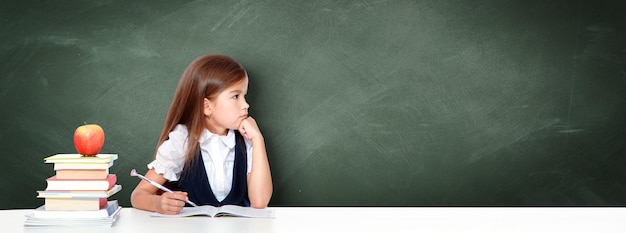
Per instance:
{"type": "Point", "coordinates": [78, 194]}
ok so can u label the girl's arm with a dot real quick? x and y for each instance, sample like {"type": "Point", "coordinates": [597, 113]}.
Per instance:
{"type": "Point", "coordinates": [260, 178]}
{"type": "Point", "coordinates": [146, 197]}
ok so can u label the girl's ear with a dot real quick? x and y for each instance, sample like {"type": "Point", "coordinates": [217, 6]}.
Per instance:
{"type": "Point", "coordinates": [206, 107]}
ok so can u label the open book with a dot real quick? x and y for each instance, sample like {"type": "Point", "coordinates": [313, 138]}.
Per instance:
{"type": "Point", "coordinates": [227, 210]}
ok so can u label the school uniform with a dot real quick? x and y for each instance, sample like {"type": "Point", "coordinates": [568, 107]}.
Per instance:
{"type": "Point", "coordinates": [218, 175]}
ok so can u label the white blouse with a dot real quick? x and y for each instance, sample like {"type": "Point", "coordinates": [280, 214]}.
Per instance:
{"type": "Point", "coordinates": [217, 152]}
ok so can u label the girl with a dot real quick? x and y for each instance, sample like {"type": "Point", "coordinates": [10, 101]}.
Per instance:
{"type": "Point", "coordinates": [210, 148]}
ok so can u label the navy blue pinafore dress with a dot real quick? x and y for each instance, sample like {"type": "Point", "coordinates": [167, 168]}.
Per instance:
{"type": "Point", "coordinates": [195, 182]}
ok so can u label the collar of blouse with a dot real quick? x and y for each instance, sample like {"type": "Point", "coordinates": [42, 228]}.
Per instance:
{"type": "Point", "coordinates": [228, 140]}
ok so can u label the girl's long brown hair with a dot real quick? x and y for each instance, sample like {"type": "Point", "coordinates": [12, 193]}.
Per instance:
{"type": "Point", "coordinates": [205, 77]}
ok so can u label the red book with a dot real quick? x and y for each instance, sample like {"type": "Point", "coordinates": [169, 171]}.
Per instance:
{"type": "Point", "coordinates": [73, 184]}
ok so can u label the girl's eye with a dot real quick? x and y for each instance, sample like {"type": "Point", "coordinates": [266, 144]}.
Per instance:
{"type": "Point", "coordinates": [235, 96]}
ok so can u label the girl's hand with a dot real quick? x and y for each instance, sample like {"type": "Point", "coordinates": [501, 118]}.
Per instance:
{"type": "Point", "coordinates": [171, 203]}
{"type": "Point", "coordinates": [250, 130]}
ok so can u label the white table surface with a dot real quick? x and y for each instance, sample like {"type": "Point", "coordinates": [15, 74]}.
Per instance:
{"type": "Point", "coordinates": [362, 219]}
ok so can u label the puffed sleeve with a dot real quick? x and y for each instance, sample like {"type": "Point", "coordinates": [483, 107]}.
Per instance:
{"type": "Point", "coordinates": [170, 156]}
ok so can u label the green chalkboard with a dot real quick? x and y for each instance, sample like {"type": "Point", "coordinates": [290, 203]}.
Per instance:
{"type": "Point", "coordinates": [362, 103]}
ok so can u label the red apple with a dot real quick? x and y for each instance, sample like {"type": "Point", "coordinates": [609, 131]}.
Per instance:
{"type": "Point", "coordinates": [89, 139]}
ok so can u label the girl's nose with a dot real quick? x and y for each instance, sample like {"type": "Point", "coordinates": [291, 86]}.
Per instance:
{"type": "Point", "coordinates": [245, 105]}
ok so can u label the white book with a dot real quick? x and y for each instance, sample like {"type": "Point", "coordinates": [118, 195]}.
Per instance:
{"type": "Point", "coordinates": [79, 193]}
{"type": "Point", "coordinates": [82, 166]}
{"type": "Point", "coordinates": [226, 210]}
{"type": "Point", "coordinates": [104, 213]}
{"type": "Point", "coordinates": [78, 158]}
{"type": "Point", "coordinates": [33, 222]}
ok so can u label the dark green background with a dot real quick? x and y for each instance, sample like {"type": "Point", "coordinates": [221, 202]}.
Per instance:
{"type": "Point", "coordinates": [362, 103]}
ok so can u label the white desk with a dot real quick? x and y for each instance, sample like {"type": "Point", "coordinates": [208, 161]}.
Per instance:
{"type": "Point", "coordinates": [361, 219]}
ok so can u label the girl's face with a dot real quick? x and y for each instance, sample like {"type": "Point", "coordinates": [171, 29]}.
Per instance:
{"type": "Point", "coordinates": [228, 109]}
